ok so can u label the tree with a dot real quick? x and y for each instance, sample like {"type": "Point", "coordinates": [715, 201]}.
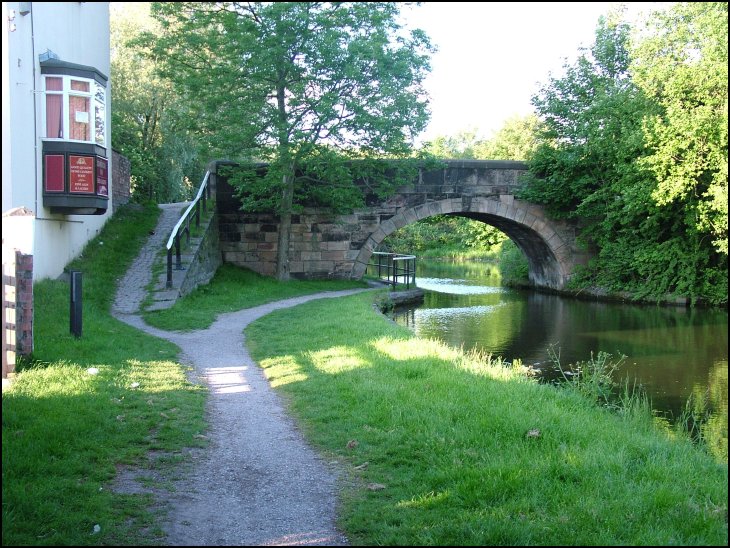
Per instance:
{"type": "Point", "coordinates": [515, 140]}
{"type": "Point", "coordinates": [461, 145]}
{"type": "Point", "coordinates": [683, 66]}
{"type": "Point", "coordinates": [163, 156]}
{"type": "Point", "coordinates": [301, 85]}
{"type": "Point", "coordinates": [601, 163]}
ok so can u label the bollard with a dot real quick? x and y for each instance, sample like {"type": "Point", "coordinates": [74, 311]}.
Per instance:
{"type": "Point", "coordinates": [76, 303]}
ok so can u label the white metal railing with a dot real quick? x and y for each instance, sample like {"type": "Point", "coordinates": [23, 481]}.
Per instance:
{"type": "Point", "coordinates": [183, 226]}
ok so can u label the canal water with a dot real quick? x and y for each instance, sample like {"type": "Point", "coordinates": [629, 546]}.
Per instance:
{"type": "Point", "coordinates": [674, 353]}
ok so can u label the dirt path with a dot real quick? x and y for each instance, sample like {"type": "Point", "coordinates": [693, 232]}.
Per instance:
{"type": "Point", "coordinates": [258, 482]}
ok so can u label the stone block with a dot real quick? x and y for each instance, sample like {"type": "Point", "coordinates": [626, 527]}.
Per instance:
{"type": "Point", "coordinates": [333, 255]}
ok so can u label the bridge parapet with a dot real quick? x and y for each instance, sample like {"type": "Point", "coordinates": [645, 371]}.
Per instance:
{"type": "Point", "coordinates": [461, 179]}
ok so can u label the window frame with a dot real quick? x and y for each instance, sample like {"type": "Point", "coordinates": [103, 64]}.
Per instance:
{"type": "Point", "coordinates": [94, 104]}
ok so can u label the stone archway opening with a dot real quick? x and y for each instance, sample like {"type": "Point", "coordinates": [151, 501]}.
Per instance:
{"type": "Point", "coordinates": [460, 237]}
{"type": "Point", "coordinates": [536, 239]}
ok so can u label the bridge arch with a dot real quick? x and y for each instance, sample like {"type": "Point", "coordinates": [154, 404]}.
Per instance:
{"type": "Point", "coordinates": [548, 254]}
{"type": "Point", "coordinates": [325, 244]}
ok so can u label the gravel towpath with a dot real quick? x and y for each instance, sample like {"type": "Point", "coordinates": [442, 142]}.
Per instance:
{"type": "Point", "coordinates": [258, 482]}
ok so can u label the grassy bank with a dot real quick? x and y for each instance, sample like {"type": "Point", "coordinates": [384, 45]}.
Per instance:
{"type": "Point", "coordinates": [233, 289]}
{"type": "Point", "coordinates": [441, 448]}
{"type": "Point", "coordinates": [82, 409]}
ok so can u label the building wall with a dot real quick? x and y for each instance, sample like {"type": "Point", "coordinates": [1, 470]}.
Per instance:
{"type": "Point", "coordinates": [77, 32]}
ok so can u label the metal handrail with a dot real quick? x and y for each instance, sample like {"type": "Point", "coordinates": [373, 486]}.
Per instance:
{"type": "Point", "coordinates": [393, 269]}
{"type": "Point", "coordinates": [202, 196]}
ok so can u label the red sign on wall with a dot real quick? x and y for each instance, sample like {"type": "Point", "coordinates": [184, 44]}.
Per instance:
{"type": "Point", "coordinates": [81, 174]}
{"type": "Point", "coordinates": [55, 172]}
{"type": "Point", "coordinates": [102, 176]}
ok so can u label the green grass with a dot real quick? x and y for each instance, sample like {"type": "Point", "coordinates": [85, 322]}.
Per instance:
{"type": "Point", "coordinates": [65, 431]}
{"type": "Point", "coordinates": [232, 289]}
{"type": "Point", "coordinates": [447, 436]}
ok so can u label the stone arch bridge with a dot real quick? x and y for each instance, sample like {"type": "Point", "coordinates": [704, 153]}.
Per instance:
{"type": "Point", "coordinates": [327, 245]}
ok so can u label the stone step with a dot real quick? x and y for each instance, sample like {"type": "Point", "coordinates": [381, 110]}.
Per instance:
{"type": "Point", "coordinates": [162, 296]}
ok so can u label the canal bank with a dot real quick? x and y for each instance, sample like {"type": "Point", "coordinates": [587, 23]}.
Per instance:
{"type": "Point", "coordinates": [677, 354]}
{"type": "Point", "coordinates": [447, 447]}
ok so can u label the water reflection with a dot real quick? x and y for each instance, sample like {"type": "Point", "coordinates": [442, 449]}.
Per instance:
{"type": "Point", "coordinates": [675, 353]}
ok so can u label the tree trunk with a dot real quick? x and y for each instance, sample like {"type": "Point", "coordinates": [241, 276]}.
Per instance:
{"type": "Point", "coordinates": [287, 195]}
{"type": "Point", "coordinates": [282, 254]}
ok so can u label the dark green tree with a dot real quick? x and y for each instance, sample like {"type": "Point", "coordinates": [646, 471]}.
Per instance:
{"type": "Point", "coordinates": [598, 165]}
{"type": "Point", "coordinates": [300, 85]}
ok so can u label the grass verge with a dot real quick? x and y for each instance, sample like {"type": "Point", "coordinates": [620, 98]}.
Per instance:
{"type": "Point", "coordinates": [232, 289]}
{"type": "Point", "coordinates": [81, 409]}
{"type": "Point", "coordinates": [443, 448]}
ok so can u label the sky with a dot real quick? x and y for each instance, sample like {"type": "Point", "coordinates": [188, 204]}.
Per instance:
{"type": "Point", "coordinates": [493, 56]}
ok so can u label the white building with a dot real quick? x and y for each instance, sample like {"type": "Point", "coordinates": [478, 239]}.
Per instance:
{"type": "Point", "coordinates": [56, 128]}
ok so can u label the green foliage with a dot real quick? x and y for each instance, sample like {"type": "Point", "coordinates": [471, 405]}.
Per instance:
{"type": "Point", "coordinates": [290, 82]}
{"type": "Point", "coordinates": [593, 379]}
{"type": "Point", "coordinates": [452, 236]}
{"type": "Point", "coordinates": [146, 114]}
{"type": "Point", "coordinates": [265, 75]}
{"type": "Point", "coordinates": [601, 162]}
{"type": "Point", "coordinates": [444, 233]}
{"type": "Point", "coordinates": [326, 179]}
{"type": "Point", "coordinates": [513, 265]}
{"type": "Point", "coordinates": [683, 66]}
{"type": "Point", "coordinates": [516, 140]}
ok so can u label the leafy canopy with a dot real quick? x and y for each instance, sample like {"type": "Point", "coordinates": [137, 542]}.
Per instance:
{"type": "Point", "coordinates": [634, 150]}
{"type": "Point", "coordinates": [683, 66]}
{"type": "Point", "coordinates": [145, 110]}
{"type": "Point", "coordinates": [515, 140]}
{"type": "Point", "coordinates": [304, 86]}
{"type": "Point", "coordinates": [262, 76]}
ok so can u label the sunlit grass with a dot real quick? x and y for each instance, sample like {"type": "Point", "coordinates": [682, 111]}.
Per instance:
{"type": "Point", "coordinates": [82, 407]}
{"type": "Point", "coordinates": [336, 360]}
{"type": "Point", "coordinates": [442, 447]}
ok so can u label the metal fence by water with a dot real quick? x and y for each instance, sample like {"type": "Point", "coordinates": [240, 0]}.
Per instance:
{"type": "Point", "coordinates": [394, 268]}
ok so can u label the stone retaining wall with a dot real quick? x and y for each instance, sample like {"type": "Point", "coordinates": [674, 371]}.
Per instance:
{"type": "Point", "coordinates": [205, 261]}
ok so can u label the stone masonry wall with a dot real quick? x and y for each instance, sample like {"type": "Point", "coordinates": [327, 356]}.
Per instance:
{"type": "Point", "coordinates": [206, 260]}
{"type": "Point", "coordinates": [23, 304]}
{"type": "Point", "coordinates": [325, 245]}
{"type": "Point", "coordinates": [17, 309]}
{"type": "Point", "coordinates": [320, 247]}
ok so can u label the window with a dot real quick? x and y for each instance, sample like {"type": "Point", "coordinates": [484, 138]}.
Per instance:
{"type": "Point", "coordinates": [75, 109]}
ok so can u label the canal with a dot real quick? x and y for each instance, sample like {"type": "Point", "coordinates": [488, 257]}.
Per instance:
{"type": "Point", "coordinates": [674, 353]}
